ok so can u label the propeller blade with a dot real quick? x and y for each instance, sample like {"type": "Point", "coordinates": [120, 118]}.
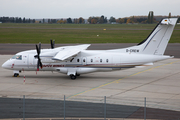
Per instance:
{"type": "Point", "coordinates": [52, 44]}
{"type": "Point", "coordinates": [38, 57]}
{"type": "Point", "coordinates": [38, 65]}
{"type": "Point", "coordinates": [39, 48]}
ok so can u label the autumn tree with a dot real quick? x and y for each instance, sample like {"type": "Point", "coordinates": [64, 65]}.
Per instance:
{"type": "Point", "coordinates": [80, 20]}
{"type": "Point", "coordinates": [102, 19]}
{"type": "Point", "coordinates": [93, 21]}
{"type": "Point", "coordinates": [128, 21]}
{"type": "Point", "coordinates": [76, 21]}
{"type": "Point", "coordinates": [89, 19]}
{"type": "Point", "coordinates": [24, 20]}
{"type": "Point", "coordinates": [133, 20]}
{"type": "Point", "coordinates": [61, 21]}
{"type": "Point", "coordinates": [29, 21]}
{"type": "Point", "coordinates": [20, 20]}
{"type": "Point", "coordinates": [112, 19]}
{"type": "Point", "coordinates": [69, 20]}
{"type": "Point", "coordinates": [121, 20]}
{"type": "Point", "coordinates": [33, 20]}
{"type": "Point", "coordinates": [43, 20]}
{"type": "Point", "coordinates": [13, 20]}
{"type": "Point", "coordinates": [49, 21]}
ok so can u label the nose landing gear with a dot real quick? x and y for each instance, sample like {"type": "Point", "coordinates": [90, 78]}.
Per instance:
{"type": "Point", "coordinates": [16, 75]}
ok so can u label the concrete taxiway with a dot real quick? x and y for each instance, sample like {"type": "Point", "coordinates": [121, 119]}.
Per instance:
{"type": "Point", "coordinates": [160, 84]}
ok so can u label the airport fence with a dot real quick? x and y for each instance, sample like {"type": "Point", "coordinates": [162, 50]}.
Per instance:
{"type": "Point", "coordinates": [87, 108]}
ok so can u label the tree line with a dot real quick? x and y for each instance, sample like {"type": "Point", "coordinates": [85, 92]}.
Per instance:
{"type": "Point", "coordinates": [150, 19]}
{"type": "Point", "coordinates": [16, 20]}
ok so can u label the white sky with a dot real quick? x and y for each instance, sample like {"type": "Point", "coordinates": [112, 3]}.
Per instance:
{"type": "Point", "coordinates": [86, 8]}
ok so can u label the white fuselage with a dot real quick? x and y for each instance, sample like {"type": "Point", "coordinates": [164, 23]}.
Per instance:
{"type": "Point", "coordinates": [85, 62]}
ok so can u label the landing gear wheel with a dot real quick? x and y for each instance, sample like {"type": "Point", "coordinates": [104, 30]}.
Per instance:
{"type": "Point", "coordinates": [16, 75]}
{"type": "Point", "coordinates": [73, 77]}
{"type": "Point", "coordinates": [77, 74]}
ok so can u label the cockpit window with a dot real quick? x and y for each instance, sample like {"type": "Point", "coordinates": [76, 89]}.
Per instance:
{"type": "Point", "coordinates": [18, 57]}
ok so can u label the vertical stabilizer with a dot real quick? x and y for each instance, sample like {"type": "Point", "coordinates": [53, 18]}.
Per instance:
{"type": "Point", "coordinates": [157, 41]}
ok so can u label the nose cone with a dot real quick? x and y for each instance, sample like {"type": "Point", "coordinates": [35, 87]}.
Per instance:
{"type": "Point", "coordinates": [6, 65]}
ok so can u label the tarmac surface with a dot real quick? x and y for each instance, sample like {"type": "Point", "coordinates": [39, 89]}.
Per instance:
{"type": "Point", "coordinates": [126, 90]}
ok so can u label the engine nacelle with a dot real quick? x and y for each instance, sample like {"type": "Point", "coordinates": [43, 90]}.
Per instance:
{"type": "Point", "coordinates": [86, 70]}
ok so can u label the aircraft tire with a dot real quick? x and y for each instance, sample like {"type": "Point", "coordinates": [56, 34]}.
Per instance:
{"type": "Point", "coordinates": [77, 74]}
{"type": "Point", "coordinates": [73, 77]}
{"type": "Point", "coordinates": [16, 75]}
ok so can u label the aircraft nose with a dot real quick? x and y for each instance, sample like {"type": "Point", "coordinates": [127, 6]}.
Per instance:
{"type": "Point", "coordinates": [6, 65]}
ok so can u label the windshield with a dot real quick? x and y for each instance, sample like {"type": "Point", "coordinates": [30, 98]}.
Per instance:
{"type": "Point", "coordinates": [18, 57]}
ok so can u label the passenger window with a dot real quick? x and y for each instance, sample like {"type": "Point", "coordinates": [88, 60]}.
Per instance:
{"type": "Point", "coordinates": [84, 60]}
{"type": "Point", "coordinates": [91, 60]}
{"type": "Point", "coordinates": [107, 60]}
{"type": "Point", "coordinates": [100, 60]}
{"type": "Point", "coordinates": [77, 60]}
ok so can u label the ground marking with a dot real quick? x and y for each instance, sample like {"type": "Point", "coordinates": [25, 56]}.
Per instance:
{"type": "Point", "coordinates": [117, 81]}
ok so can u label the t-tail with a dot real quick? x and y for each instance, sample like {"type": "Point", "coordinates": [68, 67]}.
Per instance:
{"type": "Point", "coordinates": [156, 42]}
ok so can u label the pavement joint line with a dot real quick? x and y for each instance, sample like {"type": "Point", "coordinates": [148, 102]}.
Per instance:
{"type": "Point", "coordinates": [117, 81]}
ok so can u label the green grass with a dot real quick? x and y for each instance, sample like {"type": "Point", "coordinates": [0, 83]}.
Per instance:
{"type": "Point", "coordinates": [78, 33]}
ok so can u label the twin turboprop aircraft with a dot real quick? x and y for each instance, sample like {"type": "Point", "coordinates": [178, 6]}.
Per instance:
{"type": "Point", "coordinates": [76, 60]}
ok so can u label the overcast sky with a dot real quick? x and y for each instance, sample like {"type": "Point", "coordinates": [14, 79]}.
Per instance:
{"type": "Point", "coordinates": [86, 8]}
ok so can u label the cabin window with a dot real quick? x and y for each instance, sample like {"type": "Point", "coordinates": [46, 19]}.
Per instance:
{"type": "Point", "coordinates": [91, 60]}
{"type": "Point", "coordinates": [100, 60]}
{"type": "Point", "coordinates": [107, 60]}
{"type": "Point", "coordinates": [84, 60]}
{"type": "Point", "coordinates": [77, 60]}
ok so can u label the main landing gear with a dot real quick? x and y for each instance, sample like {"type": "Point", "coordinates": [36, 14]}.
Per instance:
{"type": "Point", "coordinates": [73, 77]}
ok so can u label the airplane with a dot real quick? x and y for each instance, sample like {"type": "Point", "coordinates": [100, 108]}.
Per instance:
{"type": "Point", "coordinates": [77, 60]}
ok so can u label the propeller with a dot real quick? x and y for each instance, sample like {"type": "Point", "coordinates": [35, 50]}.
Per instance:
{"type": "Point", "coordinates": [52, 44]}
{"type": "Point", "coordinates": [39, 63]}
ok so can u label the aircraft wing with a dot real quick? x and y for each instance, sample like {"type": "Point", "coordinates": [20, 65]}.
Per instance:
{"type": "Point", "coordinates": [69, 51]}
